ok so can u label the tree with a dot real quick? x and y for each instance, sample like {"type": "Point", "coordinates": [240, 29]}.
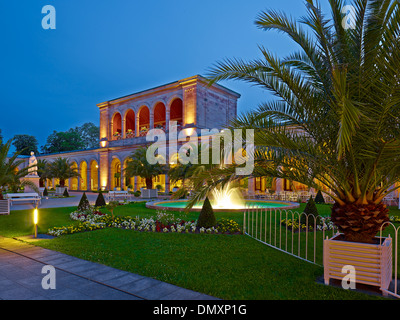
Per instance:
{"type": "Point", "coordinates": [83, 137]}
{"type": "Point", "coordinates": [63, 141]}
{"type": "Point", "coordinates": [90, 134]}
{"type": "Point", "coordinates": [138, 165]}
{"type": "Point", "coordinates": [206, 217]}
{"type": "Point", "coordinates": [311, 213]}
{"type": "Point", "coordinates": [66, 194]}
{"type": "Point", "coordinates": [335, 120]}
{"type": "Point", "coordinates": [25, 144]}
{"type": "Point", "coordinates": [61, 169]}
{"type": "Point", "coordinates": [41, 171]}
{"type": "Point", "coordinates": [11, 170]}
{"type": "Point", "coordinates": [319, 198]}
{"type": "Point", "coordinates": [100, 201]}
{"type": "Point", "coordinates": [83, 203]}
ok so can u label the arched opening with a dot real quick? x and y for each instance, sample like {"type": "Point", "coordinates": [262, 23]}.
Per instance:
{"type": "Point", "coordinates": [83, 170]}
{"type": "Point", "coordinates": [129, 181]}
{"type": "Point", "coordinates": [94, 175]}
{"type": "Point", "coordinates": [115, 174]}
{"type": "Point", "coordinates": [160, 116]}
{"type": "Point", "coordinates": [159, 182]}
{"type": "Point", "coordinates": [117, 126]}
{"type": "Point", "coordinates": [176, 112]}
{"type": "Point", "coordinates": [130, 124]}
{"type": "Point", "coordinates": [74, 181]}
{"type": "Point", "coordinates": [144, 121]}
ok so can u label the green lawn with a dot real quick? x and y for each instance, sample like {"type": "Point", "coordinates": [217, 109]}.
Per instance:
{"type": "Point", "coordinates": [225, 266]}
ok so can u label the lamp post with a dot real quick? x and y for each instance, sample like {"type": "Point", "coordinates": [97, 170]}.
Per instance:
{"type": "Point", "coordinates": [35, 220]}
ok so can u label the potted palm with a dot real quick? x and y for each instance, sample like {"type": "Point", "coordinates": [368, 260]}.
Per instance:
{"type": "Point", "coordinates": [62, 170]}
{"type": "Point", "coordinates": [334, 126]}
{"type": "Point", "coordinates": [137, 165]}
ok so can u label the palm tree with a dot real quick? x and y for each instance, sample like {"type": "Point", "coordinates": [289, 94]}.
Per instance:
{"type": "Point", "coordinates": [60, 169]}
{"type": "Point", "coordinates": [11, 175]}
{"type": "Point", "coordinates": [184, 172]}
{"type": "Point", "coordinates": [41, 171]}
{"type": "Point", "coordinates": [138, 165]}
{"type": "Point", "coordinates": [335, 123]}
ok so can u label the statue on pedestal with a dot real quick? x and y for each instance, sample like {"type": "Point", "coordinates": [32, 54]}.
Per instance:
{"type": "Point", "coordinates": [32, 171]}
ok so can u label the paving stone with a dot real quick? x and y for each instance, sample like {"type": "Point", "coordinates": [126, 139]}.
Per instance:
{"type": "Point", "coordinates": [76, 279]}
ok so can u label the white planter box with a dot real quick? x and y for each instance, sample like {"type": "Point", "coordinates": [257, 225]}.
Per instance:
{"type": "Point", "coordinates": [149, 193]}
{"type": "Point", "coordinates": [60, 190]}
{"type": "Point", "coordinates": [372, 262]}
{"type": "Point", "coordinates": [5, 206]}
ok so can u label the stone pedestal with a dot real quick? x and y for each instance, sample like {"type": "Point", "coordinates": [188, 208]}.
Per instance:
{"type": "Point", "coordinates": [34, 179]}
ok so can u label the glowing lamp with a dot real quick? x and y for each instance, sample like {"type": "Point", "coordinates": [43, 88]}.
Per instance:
{"type": "Point", "coordinates": [35, 220]}
{"type": "Point", "coordinates": [103, 142]}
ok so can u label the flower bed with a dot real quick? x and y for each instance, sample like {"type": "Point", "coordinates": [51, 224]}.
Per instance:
{"type": "Point", "coordinates": [323, 223]}
{"type": "Point", "coordinates": [163, 222]}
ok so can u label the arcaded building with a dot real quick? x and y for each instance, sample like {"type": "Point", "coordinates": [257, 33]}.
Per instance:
{"type": "Point", "coordinates": [125, 121]}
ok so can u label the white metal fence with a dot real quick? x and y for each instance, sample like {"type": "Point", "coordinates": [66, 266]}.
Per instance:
{"type": "Point", "coordinates": [388, 229]}
{"type": "Point", "coordinates": [298, 234]}
{"type": "Point", "coordinates": [302, 235]}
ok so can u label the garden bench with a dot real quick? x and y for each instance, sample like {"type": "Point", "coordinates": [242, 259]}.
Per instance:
{"type": "Point", "coordinates": [23, 197]}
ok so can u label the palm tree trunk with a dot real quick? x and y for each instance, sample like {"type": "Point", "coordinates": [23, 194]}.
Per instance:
{"type": "Point", "coordinates": [359, 223]}
{"type": "Point", "coordinates": [149, 183]}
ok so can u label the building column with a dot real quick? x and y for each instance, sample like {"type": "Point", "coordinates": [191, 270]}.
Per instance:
{"type": "Point", "coordinates": [251, 186]}
{"type": "Point", "coordinates": [123, 128]}
{"type": "Point", "coordinates": [137, 129]}
{"type": "Point", "coordinates": [79, 178]}
{"type": "Point", "coordinates": [151, 120]}
{"type": "Point", "coordinates": [122, 181]}
{"type": "Point", "coordinates": [104, 182]}
{"type": "Point", "coordinates": [167, 118]}
{"type": "Point", "coordinates": [89, 178]}
{"type": "Point", "coordinates": [167, 183]}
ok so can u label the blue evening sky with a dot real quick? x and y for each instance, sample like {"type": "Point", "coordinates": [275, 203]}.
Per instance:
{"type": "Point", "coordinates": [100, 50]}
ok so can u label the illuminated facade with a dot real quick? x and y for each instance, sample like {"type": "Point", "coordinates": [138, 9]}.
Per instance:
{"type": "Point", "coordinates": [125, 121]}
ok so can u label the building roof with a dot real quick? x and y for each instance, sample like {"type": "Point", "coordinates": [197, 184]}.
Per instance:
{"type": "Point", "coordinates": [178, 82]}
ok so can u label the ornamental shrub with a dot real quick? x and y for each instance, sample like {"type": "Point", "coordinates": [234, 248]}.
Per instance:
{"type": "Point", "coordinates": [207, 217]}
{"type": "Point", "coordinates": [45, 192]}
{"type": "Point", "coordinates": [319, 198]}
{"type": "Point", "coordinates": [100, 201]}
{"type": "Point", "coordinates": [84, 203]}
{"type": "Point", "coordinates": [66, 194]}
{"type": "Point", "coordinates": [310, 209]}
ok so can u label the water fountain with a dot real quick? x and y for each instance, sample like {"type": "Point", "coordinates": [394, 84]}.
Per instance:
{"type": "Point", "coordinates": [228, 198]}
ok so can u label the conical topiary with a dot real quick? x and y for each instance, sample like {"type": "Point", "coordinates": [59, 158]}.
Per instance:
{"type": "Point", "coordinates": [45, 192]}
{"type": "Point", "coordinates": [311, 211]}
{"type": "Point", "coordinates": [206, 218]}
{"type": "Point", "coordinates": [100, 201]}
{"type": "Point", "coordinates": [66, 194]}
{"type": "Point", "coordinates": [319, 198]}
{"type": "Point", "coordinates": [84, 203]}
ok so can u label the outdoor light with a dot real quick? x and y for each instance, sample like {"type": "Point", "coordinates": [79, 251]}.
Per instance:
{"type": "Point", "coordinates": [35, 220]}
{"type": "Point", "coordinates": [103, 142]}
